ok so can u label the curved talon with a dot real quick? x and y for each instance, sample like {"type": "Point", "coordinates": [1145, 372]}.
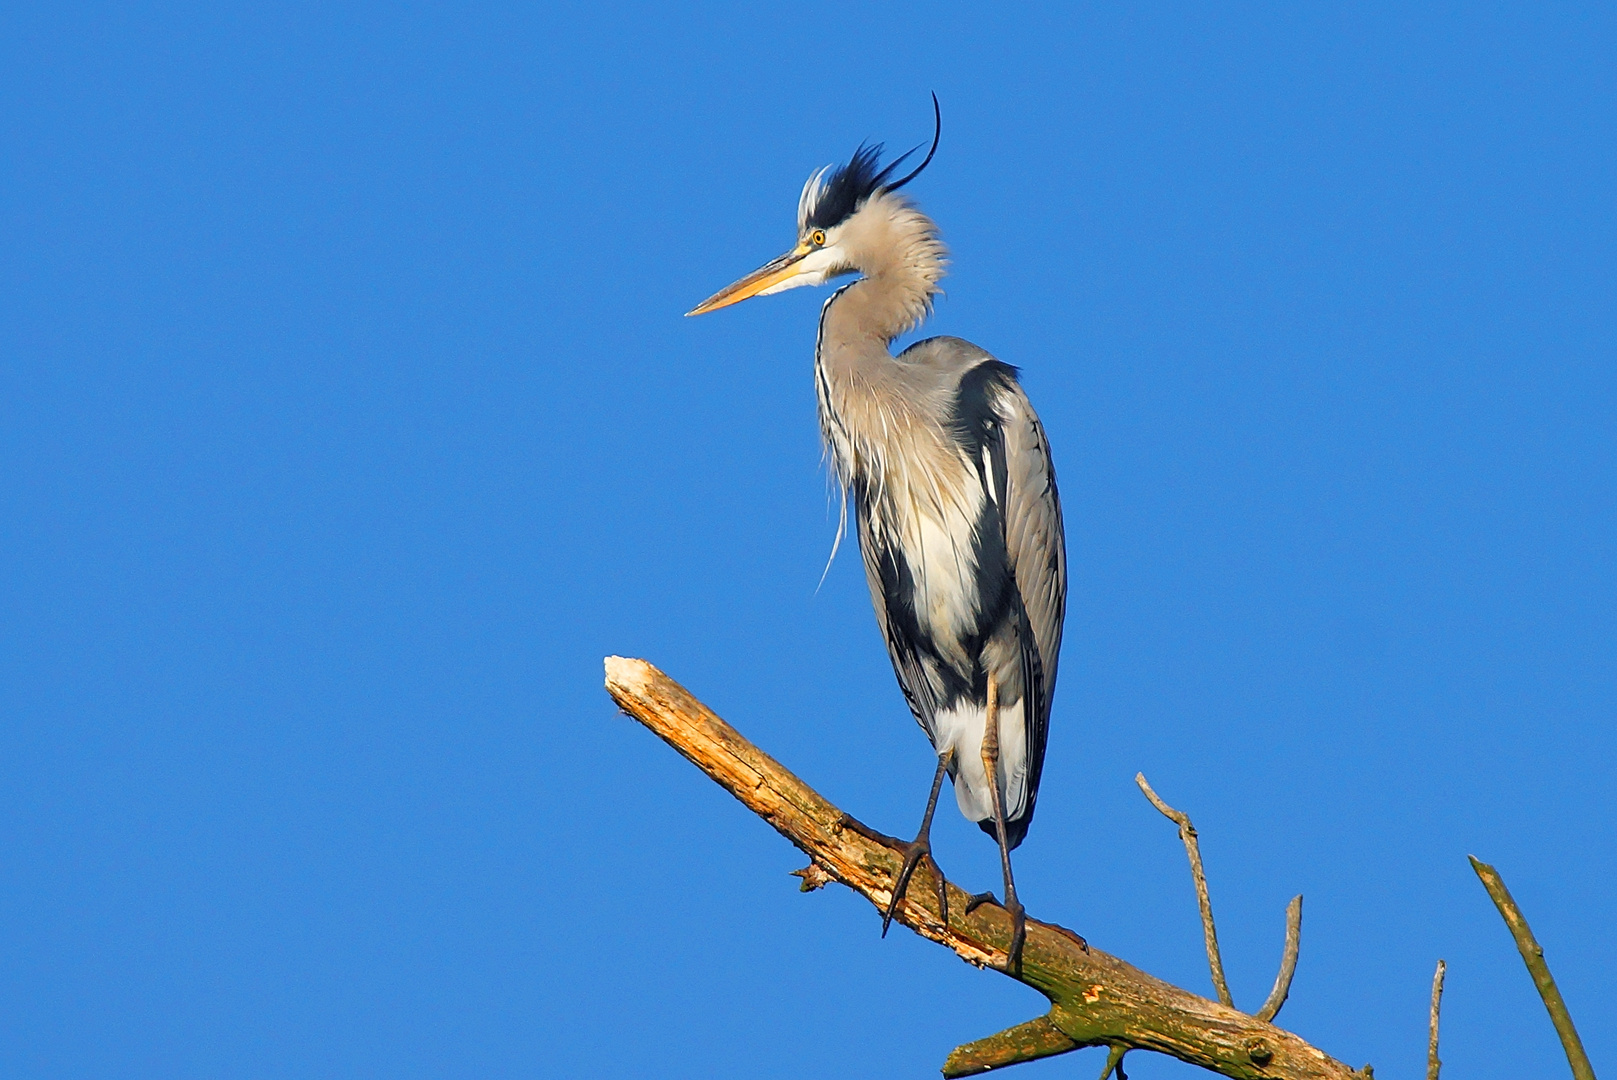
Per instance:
{"type": "Point", "coordinates": [1077, 938]}
{"type": "Point", "coordinates": [979, 899]}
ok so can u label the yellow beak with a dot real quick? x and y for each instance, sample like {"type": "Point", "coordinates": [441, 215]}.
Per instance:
{"type": "Point", "coordinates": [771, 273]}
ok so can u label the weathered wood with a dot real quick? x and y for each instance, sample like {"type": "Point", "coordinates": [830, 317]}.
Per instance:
{"type": "Point", "coordinates": [1095, 999]}
{"type": "Point", "coordinates": [1434, 1066]}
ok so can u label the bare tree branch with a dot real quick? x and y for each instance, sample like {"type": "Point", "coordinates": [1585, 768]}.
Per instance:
{"type": "Point", "coordinates": [1114, 1063]}
{"type": "Point", "coordinates": [1432, 1064]}
{"type": "Point", "coordinates": [1038, 1038]}
{"type": "Point", "coordinates": [1533, 954]}
{"type": "Point", "coordinates": [1095, 999]}
{"type": "Point", "coordinates": [1288, 961]}
{"type": "Point", "coordinates": [1187, 833]}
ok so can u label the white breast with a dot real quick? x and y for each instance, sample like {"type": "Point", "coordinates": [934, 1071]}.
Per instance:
{"type": "Point", "coordinates": [938, 544]}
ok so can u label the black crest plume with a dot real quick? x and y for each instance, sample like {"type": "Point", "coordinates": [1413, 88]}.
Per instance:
{"type": "Point", "coordinates": [848, 186]}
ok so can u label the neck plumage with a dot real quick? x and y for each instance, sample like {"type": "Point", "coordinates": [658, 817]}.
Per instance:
{"type": "Point", "coordinates": [897, 249]}
{"type": "Point", "coordinates": [874, 414]}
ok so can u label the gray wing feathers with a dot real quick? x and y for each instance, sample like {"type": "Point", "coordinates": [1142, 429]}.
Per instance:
{"type": "Point", "coordinates": [1034, 538]}
{"type": "Point", "coordinates": [1036, 551]}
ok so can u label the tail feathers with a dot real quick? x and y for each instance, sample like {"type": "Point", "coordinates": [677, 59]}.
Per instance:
{"type": "Point", "coordinates": [1015, 831]}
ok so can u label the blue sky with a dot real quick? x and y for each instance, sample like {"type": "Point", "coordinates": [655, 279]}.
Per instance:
{"type": "Point", "coordinates": [348, 419]}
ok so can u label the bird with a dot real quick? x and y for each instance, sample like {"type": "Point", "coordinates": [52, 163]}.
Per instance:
{"type": "Point", "coordinates": [955, 501]}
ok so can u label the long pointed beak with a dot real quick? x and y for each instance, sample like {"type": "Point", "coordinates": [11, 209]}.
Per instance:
{"type": "Point", "coordinates": [771, 273]}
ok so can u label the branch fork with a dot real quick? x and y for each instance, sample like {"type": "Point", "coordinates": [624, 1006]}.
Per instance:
{"type": "Point", "coordinates": [1294, 915]}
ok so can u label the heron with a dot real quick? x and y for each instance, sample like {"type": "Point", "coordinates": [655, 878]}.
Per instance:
{"type": "Point", "coordinates": [954, 495]}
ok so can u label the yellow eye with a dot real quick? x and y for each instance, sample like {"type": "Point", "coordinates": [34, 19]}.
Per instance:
{"type": "Point", "coordinates": [818, 238]}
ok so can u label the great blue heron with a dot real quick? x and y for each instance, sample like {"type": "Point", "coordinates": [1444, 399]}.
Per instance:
{"type": "Point", "coordinates": [955, 496]}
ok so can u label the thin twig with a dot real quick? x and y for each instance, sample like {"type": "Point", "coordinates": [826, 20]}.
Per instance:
{"type": "Point", "coordinates": [1288, 961]}
{"type": "Point", "coordinates": [1533, 954]}
{"type": "Point", "coordinates": [1187, 833]}
{"type": "Point", "coordinates": [1432, 1064]}
{"type": "Point", "coordinates": [1114, 1063]}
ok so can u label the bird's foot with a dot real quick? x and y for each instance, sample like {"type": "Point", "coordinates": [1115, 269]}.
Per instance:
{"type": "Point", "coordinates": [913, 854]}
{"type": "Point", "coordinates": [1013, 958]}
{"type": "Point", "coordinates": [1018, 914]}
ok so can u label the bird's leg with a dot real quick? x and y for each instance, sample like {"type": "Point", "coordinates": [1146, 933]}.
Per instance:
{"type": "Point", "coordinates": [1013, 959]}
{"type": "Point", "coordinates": [921, 848]}
{"type": "Point", "coordinates": [990, 755]}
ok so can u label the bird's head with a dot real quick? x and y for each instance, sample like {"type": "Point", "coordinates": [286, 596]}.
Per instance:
{"type": "Point", "coordinates": [831, 225]}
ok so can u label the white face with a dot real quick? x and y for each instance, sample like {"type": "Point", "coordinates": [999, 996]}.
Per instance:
{"type": "Point", "coordinates": [822, 263]}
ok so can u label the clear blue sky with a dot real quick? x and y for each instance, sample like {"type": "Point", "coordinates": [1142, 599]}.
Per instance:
{"type": "Point", "coordinates": [348, 419]}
